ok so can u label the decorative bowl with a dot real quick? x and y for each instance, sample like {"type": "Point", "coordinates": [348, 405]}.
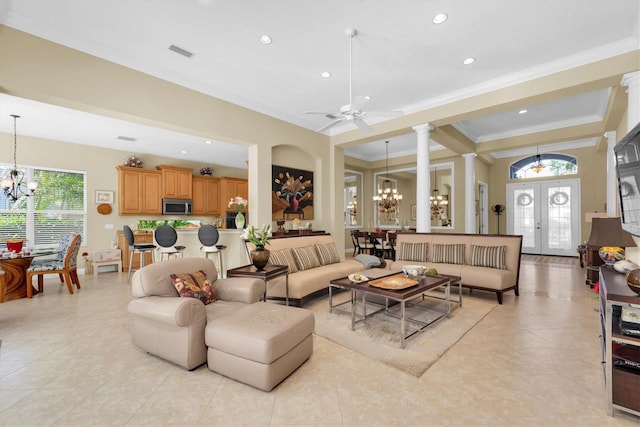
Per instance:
{"type": "Point", "coordinates": [611, 254]}
{"type": "Point", "coordinates": [414, 270]}
{"type": "Point", "coordinates": [633, 280]}
{"type": "Point", "coordinates": [14, 245]}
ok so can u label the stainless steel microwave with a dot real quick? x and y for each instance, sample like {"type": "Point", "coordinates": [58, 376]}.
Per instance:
{"type": "Point", "coordinates": [176, 207]}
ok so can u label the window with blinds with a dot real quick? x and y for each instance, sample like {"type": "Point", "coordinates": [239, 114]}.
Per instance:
{"type": "Point", "coordinates": [57, 208]}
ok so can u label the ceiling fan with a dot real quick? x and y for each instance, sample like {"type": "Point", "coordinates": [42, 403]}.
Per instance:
{"type": "Point", "coordinates": [353, 112]}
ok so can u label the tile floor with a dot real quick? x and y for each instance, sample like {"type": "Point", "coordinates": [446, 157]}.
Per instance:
{"type": "Point", "coordinates": [68, 360]}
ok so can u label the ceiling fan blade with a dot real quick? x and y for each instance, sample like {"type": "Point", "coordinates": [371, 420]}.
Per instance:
{"type": "Point", "coordinates": [362, 125]}
{"type": "Point", "coordinates": [329, 125]}
{"type": "Point", "coordinates": [358, 102]}
{"type": "Point", "coordinates": [318, 112]}
{"type": "Point", "coordinates": [384, 113]}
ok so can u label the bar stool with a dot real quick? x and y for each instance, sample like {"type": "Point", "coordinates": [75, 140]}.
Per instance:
{"type": "Point", "coordinates": [166, 237]}
{"type": "Point", "coordinates": [208, 236]}
{"type": "Point", "coordinates": [141, 249]}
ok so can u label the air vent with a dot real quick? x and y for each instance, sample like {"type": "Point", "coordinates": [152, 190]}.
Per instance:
{"type": "Point", "coordinates": [127, 138]}
{"type": "Point", "coordinates": [180, 51]}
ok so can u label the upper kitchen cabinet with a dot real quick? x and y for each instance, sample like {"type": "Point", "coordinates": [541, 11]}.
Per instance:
{"type": "Point", "coordinates": [206, 195]}
{"type": "Point", "coordinates": [176, 182]}
{"type": "Point", "coordinates": [232, 187]}
{"type": "Point", "coordinates": [139, 191]}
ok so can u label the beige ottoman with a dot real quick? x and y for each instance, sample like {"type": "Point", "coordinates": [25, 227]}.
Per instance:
{"type": "Point", "coordinates": [260, 344]}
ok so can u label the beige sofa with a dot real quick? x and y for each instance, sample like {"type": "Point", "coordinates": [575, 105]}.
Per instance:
{"type": "Point", "coordinates": [238, 336]}
{"type": "Point", "coordinates": [479, 266]}
{"type": "Point", "coordinates": [305, 283]}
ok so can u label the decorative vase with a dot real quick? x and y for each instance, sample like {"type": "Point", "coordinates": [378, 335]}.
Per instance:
{"type": "Point", "coordinates": [240, 221]}
{"type": "Point", "coordinates": [260, 257]}
{"type": "Point", "coordinates": [294, 204]}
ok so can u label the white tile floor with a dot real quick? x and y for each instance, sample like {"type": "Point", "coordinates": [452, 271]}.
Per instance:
{"type": "Point", "coordinates": [68, 360]}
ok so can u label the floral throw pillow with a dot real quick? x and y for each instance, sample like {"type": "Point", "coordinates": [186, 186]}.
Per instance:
{"type": "Point", "coordinates": [194, 285]}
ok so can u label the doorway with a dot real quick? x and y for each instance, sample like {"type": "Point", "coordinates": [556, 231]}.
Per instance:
{"type": "Point", "coordinates": [547, 214]}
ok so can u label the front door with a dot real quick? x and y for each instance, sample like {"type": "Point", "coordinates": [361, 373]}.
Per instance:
{"type": "Point", "coordinates": [547, 214]}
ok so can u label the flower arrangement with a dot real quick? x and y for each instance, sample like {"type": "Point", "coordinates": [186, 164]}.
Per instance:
{"type": "Point", "coordinates": [206, 171]}
{"type": "Point", "coordinates": [86, 257]}
{"type": "Point", "coordinates": [133, 162]}
{"type": "Point", "coordinates": [238, 203]}
{"type": "Point", "coordinates": [293, 187]}
{"type": "Point", "coordinates": [259, 238]}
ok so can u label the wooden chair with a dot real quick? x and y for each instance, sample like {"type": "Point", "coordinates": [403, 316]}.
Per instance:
{"type": "Point", "coordinates": [354, 240]}
{"type": "Point", "coordinates": [66, 269]}
{"type": "Point", "coordinates": [392, 237]}
{"type": "Point", "coordinates": [1, 286]}
{"type": "Point", "coordinates": [381, 246]}
{"type": "Point", "coordinates": [364, 242]}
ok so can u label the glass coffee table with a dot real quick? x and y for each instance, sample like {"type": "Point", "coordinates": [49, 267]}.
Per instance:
{"type": "Point", "coordinates": [395, 287]}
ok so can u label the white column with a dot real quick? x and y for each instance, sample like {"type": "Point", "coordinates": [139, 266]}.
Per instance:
{"type": "Point", "coordinates": [611, 173]}
{"type": "Point", "coordinates": [632, 82]}
{"type": "Point", "coordinates": [470, 193]}
{"type": "Point", "coordinates": [259, 176]}
{"type": "Point", "coordinates": [423, 179]}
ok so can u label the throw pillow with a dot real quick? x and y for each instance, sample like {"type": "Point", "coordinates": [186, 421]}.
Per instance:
{"type": "Point", "coordinates": [327, 253]}
{"type": "Point", "coordinates": [413, 251]}
{"type": "Point", "coordinates": [194, 285]}
{"type": "Point", "coordinates": [306, 257]}
{"type": "Point", "coordinates": [489, 256]}
{"type": "Point", "coordinates": [448, 254]}
{"type": "Point", "coordinates": [368, 261]}
{"type": "Point", "coordinates": [283, 257]}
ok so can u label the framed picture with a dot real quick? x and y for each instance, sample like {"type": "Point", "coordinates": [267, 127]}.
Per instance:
{"type": "Point", "coordinates": [104, 197]}
{"type": "Point", "coordinates": [291, 193]}
{"type": "Point", "coordinates": [413, 212]}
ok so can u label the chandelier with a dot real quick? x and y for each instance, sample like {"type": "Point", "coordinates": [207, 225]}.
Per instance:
{"type": "Point", "coordinates": [14, 185]}
{"type": "Point", "coordinates": [538, 166]}
{"type": "Point", "coordinates": [438, 203]}
{"type": "Point", "coordinates": [388, 199]}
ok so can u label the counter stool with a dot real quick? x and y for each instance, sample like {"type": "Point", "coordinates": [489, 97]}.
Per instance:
{"type": "Point", "coordinates": [166, 237]}
{"type": "Point", "coordinates": [208, 236]}
{"type": "Point", "coordinates": [141, 249]}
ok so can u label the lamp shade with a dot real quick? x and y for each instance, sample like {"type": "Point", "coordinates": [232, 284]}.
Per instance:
{"type": "Point", "coordinates": [608, 231]}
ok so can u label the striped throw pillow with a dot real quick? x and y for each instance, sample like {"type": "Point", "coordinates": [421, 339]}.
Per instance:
{"type": "Point", "coordinates": [489, 256]}
{"type": "Point", "coordinates": [306, 257]}
{"type": "Point", "coordinates": [413, 251]}
{"type": "Point", "coordinates": [327, 253]}
{"type": "Point", "coordinates": [283, 257]}
{"type": "Point", "coordinates": [448, 254]}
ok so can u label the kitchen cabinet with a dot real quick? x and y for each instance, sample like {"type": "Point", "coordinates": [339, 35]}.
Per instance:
{"type": "Point", "coordinates": [206, 195]}
{"type": "Point", "coordinates": [232, 187]}
{"type": "Point", "coordinates": [139, 237]}
{"type": "Point", "coordinates": [139, 191]}
{"type": "Point", "coordinates": [176, 182]}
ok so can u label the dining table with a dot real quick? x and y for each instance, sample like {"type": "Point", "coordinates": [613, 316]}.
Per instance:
{"type": "Point", "coordinates": [15, 266]}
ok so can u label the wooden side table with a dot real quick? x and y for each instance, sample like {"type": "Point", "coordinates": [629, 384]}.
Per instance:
{"type": "Point", "coordinates": [269, 272]}
{"type": "Point", "coordinates": [110, 257]}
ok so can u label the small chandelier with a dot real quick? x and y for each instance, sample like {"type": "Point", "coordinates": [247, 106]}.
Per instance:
{"type": "Point", "coordinates": [14, 185]}
{"type": "Point", "coordinates": [438, 202]}
{"type": "Point", "coordinates": [538, 166]}
{"type": "Point", "coordinates": [388, 200]}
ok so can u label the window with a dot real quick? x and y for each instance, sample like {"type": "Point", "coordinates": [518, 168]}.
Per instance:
{"type": "Point", "coordinates": [554, 165]}
{"type": "Point", "coordinates": [58, 207]}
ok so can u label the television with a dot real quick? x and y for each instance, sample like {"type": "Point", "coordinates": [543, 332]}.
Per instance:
{"type": "Point", "coordinates": [627, 153]}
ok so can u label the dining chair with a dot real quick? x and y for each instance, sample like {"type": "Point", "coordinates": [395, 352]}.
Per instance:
{"type": "Point", "coordinates": [364, 242]}
{"type": "Point", "coordinates": [1, 286]}
{"type": "Point", "coordinates": [65, 268]}
{"type": "Point", "coordinates": [166, 236]}
{"type": "Point", "coordinates": [354, 240]}
{"type": "Point", "coordinates": [140, 248]}
{"type": "Point", "coordinates": [381, 246]}
{"type": "Point", "coordinates": [209, 236]}
{"type": "Point", "coordinates": [392, 238]}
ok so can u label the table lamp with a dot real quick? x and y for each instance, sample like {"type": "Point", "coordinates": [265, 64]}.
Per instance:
{"type": "Point", "coordinates": [608, 235]}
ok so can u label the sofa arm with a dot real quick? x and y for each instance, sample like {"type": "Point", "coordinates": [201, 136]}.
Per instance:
{"type": "Point", "coordinates": [240, 289]}
{"type": "Point", "coordinates": [169, 310]}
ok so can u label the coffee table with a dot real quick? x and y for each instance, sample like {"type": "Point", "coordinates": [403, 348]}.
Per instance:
{"type": "Point", "coordinates": [404, 297]}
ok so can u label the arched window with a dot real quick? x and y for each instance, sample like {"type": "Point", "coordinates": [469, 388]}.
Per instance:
{"type": "Point", "coordinates": [549, 164]}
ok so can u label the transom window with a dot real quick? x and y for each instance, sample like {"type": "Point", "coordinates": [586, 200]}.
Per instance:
{"type": "Point", "coordinates": [57, 208]}
{"type": "Point", "coordinates": [553, 164]}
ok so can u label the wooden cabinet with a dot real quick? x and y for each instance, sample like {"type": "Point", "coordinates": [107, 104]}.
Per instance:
{"type": "Point", "coordinates": [232, 187]}
{"type": "Point", "coordinates": [139, 191]}
{"type": "Point", "coordinates": [206, 195]}
{"type": "Point", "coordinates": [138, 238]}
{"type": "Point", "coordinates": [176, 182]}
{"type": "Point", "coordinates": [621, 352]}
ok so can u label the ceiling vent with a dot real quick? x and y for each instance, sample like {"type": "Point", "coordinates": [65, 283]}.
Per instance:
{"type": "Point", "coordinates": [180, 51]}
{"type": "Point", "coordinates": [126, 138]}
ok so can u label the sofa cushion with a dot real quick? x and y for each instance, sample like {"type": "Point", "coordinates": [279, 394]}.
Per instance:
{"type": "Point", "coordinates": [283, 257]}
{"type": "Point", "coordinates": [306, 257]}
{"type": "Point", "coordinates": [488, 256]}
{"type": "Point", "coordinates": [448, 254]}
{"type": "Point", "coordinates": [194, 285]}
{"type": "Point", "coordinates": [327, 253]}
{"type": "Point", "coordinates": [413, 251]}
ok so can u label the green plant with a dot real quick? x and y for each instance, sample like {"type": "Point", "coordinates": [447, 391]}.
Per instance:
{"type": "Point", "coordinates": [258, 238]}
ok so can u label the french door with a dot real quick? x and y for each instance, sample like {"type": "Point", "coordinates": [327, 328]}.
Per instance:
{"type": "Point", "coordinates": [547, 214]}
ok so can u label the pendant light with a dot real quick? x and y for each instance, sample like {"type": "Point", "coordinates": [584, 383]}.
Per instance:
{"type": "Point", "coordinates": [14, 186]}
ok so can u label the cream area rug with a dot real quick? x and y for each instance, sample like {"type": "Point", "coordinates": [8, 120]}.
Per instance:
{"type": "Point", "coordinates": [379, 338]}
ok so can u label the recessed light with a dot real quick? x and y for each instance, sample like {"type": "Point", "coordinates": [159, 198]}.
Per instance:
{"type": "Point", "coordinates": [522, 112]}
{"type": "Point", "coordinates": [265, 39]}
{"type": "Point", "coordinates": [183, 151]}
{"type": "Point", "coordinates": [326, 74]}
{"type": "Point", "coordinates": [469, 61]}
{"type": "Point", "coordinates": [440, 18]}
{"type": "Point", "coordinates": [208, 142]}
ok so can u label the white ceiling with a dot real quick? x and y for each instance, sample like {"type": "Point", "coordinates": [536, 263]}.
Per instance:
{"type": "Point", "coordinates": [400, 59]}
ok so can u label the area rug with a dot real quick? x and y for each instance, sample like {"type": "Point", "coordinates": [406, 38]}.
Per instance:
{"type": "Point", "coordinates": [379, 338]}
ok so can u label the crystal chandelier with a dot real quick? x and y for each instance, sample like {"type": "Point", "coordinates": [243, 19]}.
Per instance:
{"type": "Point", "coordinates": [14, 185]}
{"type": "Point", "coordinates": [438, 202]}
{"type": "Point", "coordinates": [388, 199]}
{"type": "Point", "coordinates": [538, 166]}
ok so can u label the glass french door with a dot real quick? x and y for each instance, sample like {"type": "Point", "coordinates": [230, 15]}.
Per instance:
{"type": "Point", "coordinates": [547, 214]}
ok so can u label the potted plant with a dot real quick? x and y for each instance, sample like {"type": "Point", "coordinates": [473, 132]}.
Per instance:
{"type": "Point", "coordinates": [206, 171]}
{"type": "Point", "coordinates": [260, 238]}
